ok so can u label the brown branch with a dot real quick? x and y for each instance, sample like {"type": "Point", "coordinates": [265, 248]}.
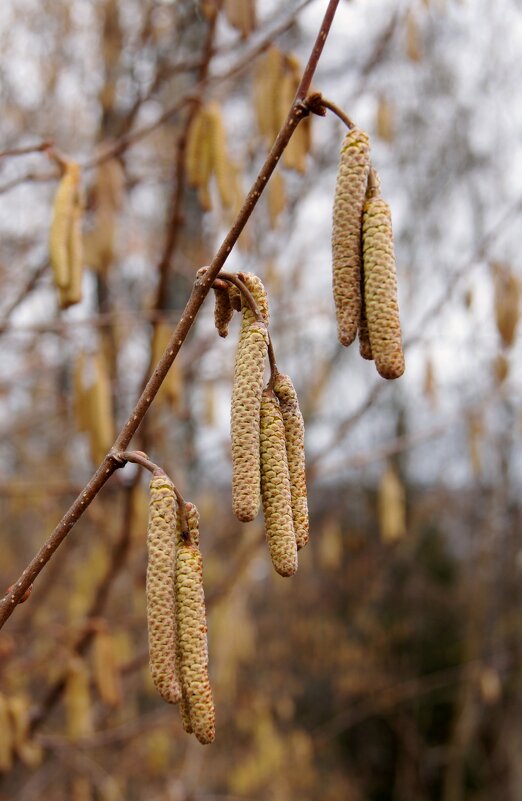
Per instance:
{"type": "Point", "coordinates": [325, 103]}
{"type": "Point", "coordinates": [200, 290]}
{"type": "Point", "coordinates": [24, 151]}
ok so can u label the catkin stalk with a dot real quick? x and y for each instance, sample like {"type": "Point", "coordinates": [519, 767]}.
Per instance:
{"type": "Point", "coordinates": [246, 403]}
{"type": "Point", "coordinates": [161, 535]}
{"type": "Point", "coordinates": [192, 630]}
{"type": "Point", "coordinates": [346, 233]}
{"type": "Point", "coordinates": [380, 289]}
{"type": "Point", "coordinates": [295, 453]}
{"type": "Point", "coordinates": [275, 487]}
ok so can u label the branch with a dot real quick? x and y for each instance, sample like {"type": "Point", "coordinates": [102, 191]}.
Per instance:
{"type": "Point", "coordinates": [200, 290]}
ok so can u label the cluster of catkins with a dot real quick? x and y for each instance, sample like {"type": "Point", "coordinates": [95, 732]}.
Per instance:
{"type": "Point", "coordinates": [267, 430]}
{"type": "Point", "coordinates": [178, 651]}
{"type": "Point", "coordinates": [364, 275]}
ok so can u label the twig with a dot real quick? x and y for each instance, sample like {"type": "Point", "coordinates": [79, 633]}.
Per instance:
{"type": "Point", "coordinates": [338, 112]}
{"type": "Point", "coordinates": [24, 151]}
{"type": "Point", "coordinates": [200, 290]}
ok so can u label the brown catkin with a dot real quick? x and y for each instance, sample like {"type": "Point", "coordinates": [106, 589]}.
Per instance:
{"type": "Point", "coordinates": [350, 191]}
{"type": "Point", "coordinates": [223, 310]}
{"type": "Point", "coordinates": [235, 297]}
{"type": "Point", "coordinates": [380, 289]}
{"type": "Point", "coordinates": [295, 454]}
{"type": "Point", "coordinates": [275, 487]}
{"type": "Point", "coordinates": [160, 588]}
{"type": "Point", "coordinates": [365, 348]}
{"type": "Point", "coordinates": [246, 402]}
{"type": "Point", "coordinates": [192, 630]}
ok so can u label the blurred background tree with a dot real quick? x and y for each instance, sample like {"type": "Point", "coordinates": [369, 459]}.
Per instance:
{"type": "Point", "coordinates": [388, 668]}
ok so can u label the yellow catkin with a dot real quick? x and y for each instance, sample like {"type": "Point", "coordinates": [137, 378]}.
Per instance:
{"type": "Point", "coordinates": [77, 698]}
{"type": "Point", "coordinates": [196, 134]}
{"type": "Point", "coordinates": [19, 712]}
{"type": "Point", "coordinates": [275, 487]}
{"type": "Point", "coordinates": [221, 164]}
{"type": "Point", "coordinates": [73, 292]}
{"type": "Point", "coordinates": [6, 737]}
{"type": "Point", "coordinates": [241, 14]}
{"type": "Point", "coordinates": [380, 289]}
{"type": "Point", "coordinates": [62, 216]}
{"type": "Point", "coordinates": [101, 416]}
{"type": "Point", "coordinates": [223, 310]}
{"type": "Point", "coordinates": [161, 535]}
{"type": "Point", "coordinates": [192, 630]}
{"type": "Point", "coordinates": [350, 192]}
{"type": "Point", "coordinates": [106, 668]}
{"type": "Point", "coordinates": [295, 453]}
{"type": "Point", "coordinates": [246, 402]}
{"type": "Point", "coordinates": [267, 84]}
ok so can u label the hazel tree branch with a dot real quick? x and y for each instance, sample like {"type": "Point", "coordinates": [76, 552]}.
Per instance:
{"type": "Point", "coordinates": [202, 285]}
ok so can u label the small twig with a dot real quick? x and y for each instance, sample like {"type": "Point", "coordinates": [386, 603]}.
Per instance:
{"type": "Point", "coordinates": [232, 278]}
{"type": "Point", "coordinates": [24, 151]}
{"type": "Point", "coordinates": [236, 280]}
{"type": "Point", "coordinates": [337, 111]}
{"type": "Point", "coordinates": [138, 457]}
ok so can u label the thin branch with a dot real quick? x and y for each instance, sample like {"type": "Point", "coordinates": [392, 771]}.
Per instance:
{"type": "Point", "coordinates": [24, 151]}
{"type": "Point", "coordinates": [338, 112]}
{"type": "Point", "coordinates": [200, 290]}
{"type": "Point", "coordinates": [138, 457]}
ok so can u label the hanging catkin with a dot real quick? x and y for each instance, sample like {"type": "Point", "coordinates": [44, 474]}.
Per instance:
{"type": "Point", "coordinates": [246, 402]}
{"type": "Point", "coordinates": [275, 487]}
{"type": "Point", "coordinates": [63, 206]}
{"type": "Point", "coordinates": [223, 310]}
{"type": "Point", "coordinates": [192, 630]}
{"type": "Point", "coordinates": [295, 452]}
{"type": "Point", "coordinates": [350, 190]}
{"type": "Point", "coordinates": [380, 289]}
{"type": "Point", "coordinates": [160, 587]}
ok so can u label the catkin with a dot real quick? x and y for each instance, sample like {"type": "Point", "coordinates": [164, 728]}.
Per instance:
{"type": "Point", "coordinates": [275, 487]}
{"type": "Point", "coordinates": [295, 453]}
{"type": "Point", "coordinates": [6, 737]}
{"type": "Point", "coordinates": [160, 588]}
{"type": "Point", "coordinates": [365, 348]}
{"type": "Point", "coordinates": [223, 310]}
{"type": "Point", "coordinates": [246, 403]}
{"type": "Point", "coordinates": [192, 630]}
{"type": "Point", "coordinates": [220, 160]}
{"type": "Point", "coordinates": [380, 289]}
{"type": "Point", "coordinates": [64, 203]}
{"type": "Point", "coordinates": [346, 234]}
